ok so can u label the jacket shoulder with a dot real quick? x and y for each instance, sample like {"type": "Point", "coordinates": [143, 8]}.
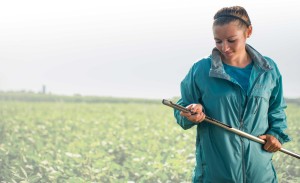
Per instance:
{"type": "Point", "coordinates": [273, 65]}
{"type": "Point", "coordinates": [203, 63]}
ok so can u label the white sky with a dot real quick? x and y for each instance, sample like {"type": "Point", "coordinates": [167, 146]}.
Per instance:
{"type": "Point", "coordinates": [130, 48]}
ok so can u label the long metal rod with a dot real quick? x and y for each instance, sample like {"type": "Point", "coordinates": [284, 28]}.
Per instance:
{"type": "Point", "coordinates": [229, 128]}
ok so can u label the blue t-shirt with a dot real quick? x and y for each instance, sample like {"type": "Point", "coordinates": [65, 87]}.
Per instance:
{"type": "Point", "coordinates": [241, 75]}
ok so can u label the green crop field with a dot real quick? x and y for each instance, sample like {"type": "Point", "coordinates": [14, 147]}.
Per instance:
{"type": "Point", "coordinates": [107, 142]}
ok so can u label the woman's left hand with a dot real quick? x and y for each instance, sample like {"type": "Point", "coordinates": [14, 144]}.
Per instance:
{"type": "Point", "coordinates": [272, 144]}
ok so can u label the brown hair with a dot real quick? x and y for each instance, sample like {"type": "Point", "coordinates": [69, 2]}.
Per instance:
{"type": "Point", "coordinates": [230, 14]}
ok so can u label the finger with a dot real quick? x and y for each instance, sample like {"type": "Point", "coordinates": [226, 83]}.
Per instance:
{"type": "Point", "coordinates": [267, 143]}
{"type": "Point", "coordinates": [190, 107]}
{"type": "Point", "coordinates": [271, 149]}
{"type": "Point", "coordinates": [275, 144]}
{"type": "Point", "coordinates": [267, 146]}
{"type": "Point", "coordinates": [202, 116]}
{"type": "Point", "coordinates": [276, 149]}
{"type": "Point", "coordinates": [198, 108]}
{"type": "Point", "coordinates": [263, 137]}
{"type": "Point", "coordinates": [191, 117]}
{"type": "Point", "coordinates": [185, 114]}
{"type": "Point", "coordinates": [195, 109]}
{"type": "Point", "coordinates": [199, 117]}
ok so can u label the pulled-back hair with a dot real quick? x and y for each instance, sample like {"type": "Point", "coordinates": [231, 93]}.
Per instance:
{"type": "Point", "coordinates": [230, 14]}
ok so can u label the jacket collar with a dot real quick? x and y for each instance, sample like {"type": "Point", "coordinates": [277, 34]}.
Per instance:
{"type": "Point", "coordinates": [217, 69]}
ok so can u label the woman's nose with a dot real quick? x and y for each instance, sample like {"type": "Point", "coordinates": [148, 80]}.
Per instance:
{"type": "Point", "coordinates": [224, 46]}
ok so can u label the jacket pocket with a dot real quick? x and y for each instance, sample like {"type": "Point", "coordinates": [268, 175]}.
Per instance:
{"type": "Point", "coordinates": [260, 102]}
{"type": "Point", "coordinates": [262, 91]}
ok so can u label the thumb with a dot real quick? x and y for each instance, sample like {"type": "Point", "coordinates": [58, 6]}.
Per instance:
{"type": "Point", "coordinates": [264, 137]}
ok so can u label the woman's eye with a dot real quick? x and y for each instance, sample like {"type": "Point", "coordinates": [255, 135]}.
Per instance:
{"type": "Point", "coordinates": [231, 41]}
{"type": "Point", "coordinates": [218, 42]}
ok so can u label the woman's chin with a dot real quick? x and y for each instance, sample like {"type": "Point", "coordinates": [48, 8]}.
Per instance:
{"type": "Point", "coordinates": [228, 56]}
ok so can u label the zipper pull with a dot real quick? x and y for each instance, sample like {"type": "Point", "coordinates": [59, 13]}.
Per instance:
{"type": "Point", "coordinates": [256, 105]}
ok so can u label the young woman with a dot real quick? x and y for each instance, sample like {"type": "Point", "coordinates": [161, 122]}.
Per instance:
{"type": "Point", "coordinates": [242, 88]}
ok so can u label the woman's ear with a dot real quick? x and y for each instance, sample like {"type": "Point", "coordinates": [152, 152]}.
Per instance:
{"type": "Point", "coordinates": [249, 31]}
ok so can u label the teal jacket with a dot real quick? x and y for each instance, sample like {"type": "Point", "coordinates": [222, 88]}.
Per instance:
{"type": "Point", "coordinates": [222, 156]}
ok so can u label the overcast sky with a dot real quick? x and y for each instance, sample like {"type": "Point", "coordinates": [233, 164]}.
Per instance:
{"type": "Point", "coordinates": [130, 48]}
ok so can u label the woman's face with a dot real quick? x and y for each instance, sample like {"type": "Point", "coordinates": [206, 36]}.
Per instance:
{"type": "Point", "coordinates": [231, 39]}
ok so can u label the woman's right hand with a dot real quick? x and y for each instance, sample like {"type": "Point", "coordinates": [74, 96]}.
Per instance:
{"type": "Point", "coordinates": [198, 117]}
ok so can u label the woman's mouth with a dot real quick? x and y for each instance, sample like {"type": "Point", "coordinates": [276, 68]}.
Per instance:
{"type": "Point", "coordinates": [227, 54]}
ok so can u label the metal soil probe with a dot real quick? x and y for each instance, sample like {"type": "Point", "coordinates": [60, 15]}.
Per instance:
{"type": "Point", "coordinates": [227, 127]}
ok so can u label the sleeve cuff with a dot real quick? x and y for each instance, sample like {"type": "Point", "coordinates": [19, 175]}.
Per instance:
{"type": "Point", "coordinates": [282, 137]}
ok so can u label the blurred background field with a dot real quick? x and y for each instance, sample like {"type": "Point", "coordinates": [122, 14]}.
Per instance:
{"type": "Point", "coordinates": [48, 138]}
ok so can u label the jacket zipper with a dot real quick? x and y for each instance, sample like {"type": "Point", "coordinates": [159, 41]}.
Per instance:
{"type": "Point", "coordinates": [241, 119]}
{"type": "Point", "coordinates": [242, 125]}
{"type": "Point", "coordinates": [242, 111]}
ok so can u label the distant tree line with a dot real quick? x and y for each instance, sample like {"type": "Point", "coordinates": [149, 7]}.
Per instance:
{"type": "Point", "coordinates": [41, 97]}
{"type": "Point", "coordinates": [29, 96]}
{"type": "Point", "coordinates": [294, 101]}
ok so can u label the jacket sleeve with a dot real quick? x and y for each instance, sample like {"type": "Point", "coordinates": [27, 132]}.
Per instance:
{"type": "Point", "coordinates": [276, 114]}
{"type": "Point", "coordinates": [189, 94]}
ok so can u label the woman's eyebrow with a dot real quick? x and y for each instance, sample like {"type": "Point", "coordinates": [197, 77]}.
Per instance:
{"type": "Point", "coordinates": [226, 38]}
